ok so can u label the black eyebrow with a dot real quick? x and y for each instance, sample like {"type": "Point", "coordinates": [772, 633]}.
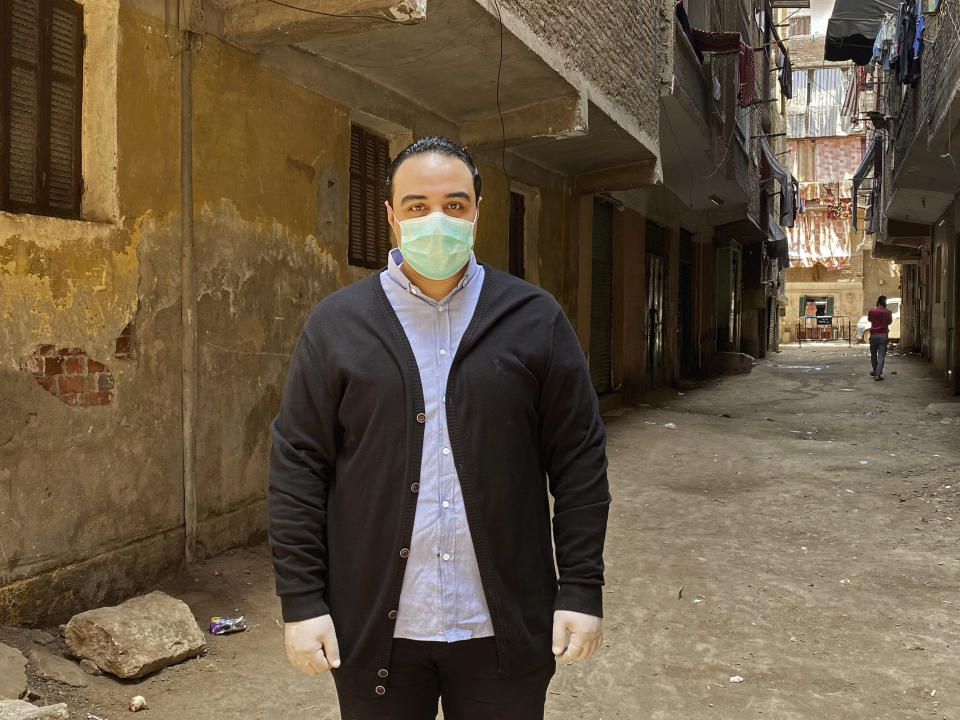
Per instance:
{"type": "Point", "coordinates": [460, 194]}
{"type": "Point", "coordinates": [412, 197]}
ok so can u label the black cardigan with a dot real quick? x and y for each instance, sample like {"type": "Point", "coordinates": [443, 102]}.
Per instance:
{"type": "Point", "coordinates": [345, 470]}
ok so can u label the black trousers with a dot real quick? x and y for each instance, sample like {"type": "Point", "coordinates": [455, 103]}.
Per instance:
{"type": "Point", "coordinates": [463, 676]}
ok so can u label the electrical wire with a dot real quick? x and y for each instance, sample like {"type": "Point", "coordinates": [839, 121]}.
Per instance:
{"type": "Point", "coordinates": [383, 18]}
{"type": "Point", "coordinates": [503, 127]}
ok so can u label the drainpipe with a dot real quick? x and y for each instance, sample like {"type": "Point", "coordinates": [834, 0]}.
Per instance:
{"type": "Point", "coordinates": [188, 303]}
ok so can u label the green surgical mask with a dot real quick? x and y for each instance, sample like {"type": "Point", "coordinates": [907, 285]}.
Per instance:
{"type": "Point", "coordinates": [436, 245]}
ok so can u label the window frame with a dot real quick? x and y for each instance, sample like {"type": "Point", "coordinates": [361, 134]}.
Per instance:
{"type": "Point", "coordinates": [358, 178]}
{"type": "Point", "coordinates": [46, 75]}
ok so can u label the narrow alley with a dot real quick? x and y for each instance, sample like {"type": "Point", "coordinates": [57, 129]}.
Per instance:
{"type": "Point", "coordinates": [794, 527]}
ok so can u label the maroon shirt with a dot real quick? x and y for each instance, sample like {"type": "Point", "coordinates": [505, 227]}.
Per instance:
{"type": "Point", "coordinates": [880, 319]}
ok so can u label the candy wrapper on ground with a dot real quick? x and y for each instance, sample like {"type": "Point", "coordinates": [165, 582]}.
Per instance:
{"type": "Point", "coordinates": [226, 625]}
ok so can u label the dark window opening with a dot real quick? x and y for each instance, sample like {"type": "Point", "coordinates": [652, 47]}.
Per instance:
{"type": "Point", "coordinates": [516, 234]}
{"type": "Point", "coordinates": [41, 81]}
{"type": "Point", "coordinates": [369, 232]}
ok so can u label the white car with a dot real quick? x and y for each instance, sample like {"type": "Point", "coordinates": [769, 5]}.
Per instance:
{"type": "Point", "coordinates": [863, 325]}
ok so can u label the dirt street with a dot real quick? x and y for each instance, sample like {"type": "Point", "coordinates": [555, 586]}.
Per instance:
{"type": "Point", "coordinates": [809, 514]}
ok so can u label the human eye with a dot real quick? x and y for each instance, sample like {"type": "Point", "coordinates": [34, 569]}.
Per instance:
{"type": "Point", "coordinates": [416, 207]}
{"type": "Point", "coordinates": [455, 205]}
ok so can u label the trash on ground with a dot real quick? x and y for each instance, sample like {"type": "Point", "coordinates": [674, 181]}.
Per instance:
{"type": "Point", "coordinates": [226, 625]}
{"type": "Point", "coordinates": [138, 703]}
{"type": "Point", "coordinates": [671, 426]}
{"type": "Point", "coordinates": [736, 679]}
{"type": "Point", "coordinates": [845, 581]}
{"type": "Point", "coordinates": [863, 462]}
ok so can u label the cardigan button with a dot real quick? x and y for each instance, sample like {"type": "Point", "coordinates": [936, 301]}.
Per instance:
{"type": "Point", "coordinates": [404, 552]}
{"type": "Point", "coordinates": [415, 488]}
{"type": "Point", "coordinates": [380, 689]}
{"type": "Point", "coordinates": [421, 418]}
{"type": "Point", "coordinates": [392, 614]}
{"type": "Point", "coordinates": [382, 672]}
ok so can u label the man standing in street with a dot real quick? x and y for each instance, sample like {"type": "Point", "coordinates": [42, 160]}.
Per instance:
{"type": "Point", "coordinates": [427, 410]}
{"type": "Point", "coordinates": [880, 318]}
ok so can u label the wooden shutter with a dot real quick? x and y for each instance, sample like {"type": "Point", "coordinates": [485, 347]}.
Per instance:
{"type": "Point", "coordinates": [62, 163]}
{"type": "Point", "coordinates": [516, 234]}
{"type": "Point", "coordinates": [41, 60]}
{"type": "Point", "coordinates": [22, 108]}
{"type": "Point", "coordinates": [369, 240]}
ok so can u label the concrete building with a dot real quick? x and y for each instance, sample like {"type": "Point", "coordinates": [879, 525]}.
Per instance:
{"type": "Point", "coordinates": [719, 199]}
{"type": "Point", "coordinates": [181, 182]}
{"type": "Point", "coordinates": [831, 264]}
{"type": "Point", "coordinates": [178, 195]}
{"type": "Point", "coordinates": [917, 200]}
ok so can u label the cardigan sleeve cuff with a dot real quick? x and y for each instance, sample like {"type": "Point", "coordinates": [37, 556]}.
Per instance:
{"type": "Point", "coordinates": [587, 599]}
{"type": "Point", "coordinates": [303, 606]}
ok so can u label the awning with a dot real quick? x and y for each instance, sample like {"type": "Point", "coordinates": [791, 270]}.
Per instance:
{"type": "Point", "coordinates": [853, 27]}
{"type": "Point", "coordinates": [866, 166]}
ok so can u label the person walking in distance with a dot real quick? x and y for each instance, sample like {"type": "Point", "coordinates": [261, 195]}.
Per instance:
{"type": "Point", "coordinates": [427, 411]}
{"type": "Point", "coordinates": [880, 318]}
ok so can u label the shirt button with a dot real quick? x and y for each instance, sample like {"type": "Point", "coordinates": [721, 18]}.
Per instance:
{"type": "Point", "coordinates": [415, 488]}
{"type": "Point", "coordinates": [413, 290]}
{"type": "Point", "coordinates": [440, 308]}
{"type": "Point", "coordinates": [392, 614]}
{"type": "Point", "coordinates": [380, 689]}
{"type": "Point", "coordinates": [442, 351]}
{"type": "Point", "coordinates": [446, 556]}
{"type": "Point", "coordinates": [446, 504]}
{"type": "Point", "coordinates": [446, 451]}
{"type": "Point", "coordinates": [404, 552]}
{"type": "Point", "coordinates": [421, 418]}
{"type": "Point", "coordinates": [383, 672]}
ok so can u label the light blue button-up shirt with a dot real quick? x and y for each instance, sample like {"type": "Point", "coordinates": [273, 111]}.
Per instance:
{"type": "Point", "coordinates": [442, 598]}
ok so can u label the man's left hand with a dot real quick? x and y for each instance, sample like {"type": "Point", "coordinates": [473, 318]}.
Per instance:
{"type": "Point", "coordinates": [585, 633]}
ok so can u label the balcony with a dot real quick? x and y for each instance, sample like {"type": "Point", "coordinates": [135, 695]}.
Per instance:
{"type": "Point", "coordinates": [923, 175]}
{"type": "Point", "coordinates": [941, 69]}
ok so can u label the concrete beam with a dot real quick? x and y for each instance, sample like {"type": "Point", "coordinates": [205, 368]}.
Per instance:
{"type": "Point", "coordinates": [255, 24]}
{"type": "Point", "coordinates": [352, 90]}
{"type": "Point", "coordinates": [633, 175]}
{"type": "Point", "coordinates": [558, 117]}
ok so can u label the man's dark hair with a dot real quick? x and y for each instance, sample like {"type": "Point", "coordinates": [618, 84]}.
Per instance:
{"type": "Point", "coordinates": [440, 146]}
{"type": "Point", "coordinates": [882, 301]}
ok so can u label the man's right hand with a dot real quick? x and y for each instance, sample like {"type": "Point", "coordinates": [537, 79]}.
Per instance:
{"type": "Point", "coordinates": [312, 644]}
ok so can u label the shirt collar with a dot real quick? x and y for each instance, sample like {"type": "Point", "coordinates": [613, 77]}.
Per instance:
{"type": "Point", "coordinates": [395, 260]}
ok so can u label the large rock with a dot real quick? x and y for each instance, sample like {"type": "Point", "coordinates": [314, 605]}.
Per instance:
{"type": "Point", "coordinates": [13, 675]}
{"type": "Point", "coordinates": [53, 667]}
{"type": "Point", "coordinates": [136, 637]}
{"type": "Point", "coordinates": [19, 710]}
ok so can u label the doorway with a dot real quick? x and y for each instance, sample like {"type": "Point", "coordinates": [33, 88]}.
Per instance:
{"type": "Point", "coordinates": [601, 297]}
{"type": "Point", "coordinates": [656, 245]}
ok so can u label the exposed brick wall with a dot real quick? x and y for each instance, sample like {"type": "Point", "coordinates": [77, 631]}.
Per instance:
{"type": "Point", "coordinates": [72, 376]}
{"type": "Point", "coordinates": [612, 42]}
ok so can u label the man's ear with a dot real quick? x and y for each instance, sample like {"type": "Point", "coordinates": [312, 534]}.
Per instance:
{"type": "Point", "coordinates": [390, 220]}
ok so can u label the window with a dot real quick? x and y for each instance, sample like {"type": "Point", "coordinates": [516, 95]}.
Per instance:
{"type": "Point", "coordinates": [369, 233]}
{"type": "Point", "coordinates": [517, 234]}
{"type": "Point", "coordinates": [41, 68]}
{"type": "Point", "coordinates": [800, 25]}
{"type": "Point", "coordinates": [812, 305]}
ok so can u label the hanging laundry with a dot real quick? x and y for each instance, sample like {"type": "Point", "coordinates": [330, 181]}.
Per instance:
{"type": "Point", "coordinates": [746, 71]}
{"type": "Point", "coordinates": [730, 42]}
{"type": "Point", "coordinates": [851, 99]}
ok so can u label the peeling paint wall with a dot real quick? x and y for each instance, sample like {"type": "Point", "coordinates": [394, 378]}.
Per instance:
{"type": "Point", "coordinates": [91, 461]}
